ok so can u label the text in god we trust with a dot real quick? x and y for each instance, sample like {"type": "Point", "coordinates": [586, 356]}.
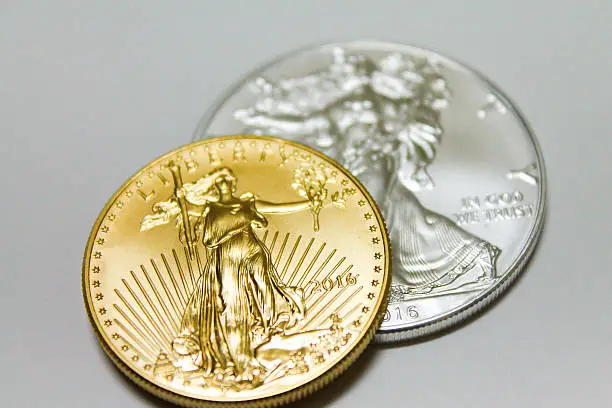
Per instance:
{"type": "Point", "coordinates": [493, 207]}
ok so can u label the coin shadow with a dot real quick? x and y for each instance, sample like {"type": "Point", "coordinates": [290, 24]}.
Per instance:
{"type": "Point", "coordinates": [343, 384]}
{"type": "Point", "coordinates": [322, 398]}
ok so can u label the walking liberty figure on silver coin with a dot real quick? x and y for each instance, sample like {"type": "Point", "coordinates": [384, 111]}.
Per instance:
{"type": "Point", "coordinates": [447, 157]}
{"type": "Point", "coordinates": [381, 121]}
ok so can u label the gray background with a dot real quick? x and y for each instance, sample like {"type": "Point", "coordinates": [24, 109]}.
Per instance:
{"type": "Point", "coordinates": [90, 91]}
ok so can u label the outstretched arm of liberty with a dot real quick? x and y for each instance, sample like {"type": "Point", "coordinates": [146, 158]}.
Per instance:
{"type": "Point", "coordinates": [314, 203]}
{"type": "Point", "coordinates": [267, 207]}
{"type": "Point", "coordinates": [190, 204]}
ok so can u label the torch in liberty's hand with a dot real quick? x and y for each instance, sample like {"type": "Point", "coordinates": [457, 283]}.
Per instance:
{"type": "Point", "coordinates": [179, 194]}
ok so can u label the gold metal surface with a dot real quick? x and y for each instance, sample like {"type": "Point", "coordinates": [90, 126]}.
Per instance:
{"type": "Point", "coordinates": [237, 271]}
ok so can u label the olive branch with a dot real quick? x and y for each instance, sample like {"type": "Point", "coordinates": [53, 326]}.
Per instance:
{"type": "Point", "coordinates": [311, 182]}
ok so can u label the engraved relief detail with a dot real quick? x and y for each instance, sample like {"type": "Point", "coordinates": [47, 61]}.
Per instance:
{"type": "Point", "coordinates": [381, 119]}
{"type": "Point", "coordinates": [232, 310]}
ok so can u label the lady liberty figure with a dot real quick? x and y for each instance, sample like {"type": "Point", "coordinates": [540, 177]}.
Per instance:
{"type": "Point", "coordinates": [238, 303]}
{"type": "Point", "coordinates": [380, 120]}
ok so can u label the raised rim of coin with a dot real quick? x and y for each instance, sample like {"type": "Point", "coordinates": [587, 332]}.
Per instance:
{"type": "Point", "coordinates": [486, 297]}
{"type": "Point", "coordinates": [291, 395]}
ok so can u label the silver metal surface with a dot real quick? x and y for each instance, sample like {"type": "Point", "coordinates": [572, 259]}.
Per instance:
{"type": "Point", "coordinates": [449, 159]}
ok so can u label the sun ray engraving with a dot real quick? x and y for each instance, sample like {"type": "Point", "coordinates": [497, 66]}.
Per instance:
{"type": "Point", "coordinates": [282, 249]}
{"type": "Point", "coordinates": [323, 297]}
{"type": "Point", "coordinates": [339, 309]}
{"type": "Point", "coordinates": [351, 312]}
{"type": "Point", "coordinates": [137, 347]}
{"type": "Point", "coordinates": [327, 306]}
{"type": "Point", "coordinates": [295, 245]}
{"type": "Point", "coordinates": [186, 288]}
{"type": "Point", "coordinates": [139, 337]}
{"type": "Point", "coordinates": [273, 241]}
{"type": "Point", "coordinates": [334, 269]}
{"type": "Point", "coordinates": [299, 264]}
{"type": "Point", "coordinates": [323, 265]}
{"type": "Point", "coordinates": [179, 295]}
{"type": "Point", "coordinates": [321, 309]}
{"type": "Point", "coordinates": [169, 297]}
{"type": "Point", "coordinates": [310, 265]}
{"type": "Point", "coordinates": [163, 326]}
{"type": "Point", "coordinates": [154, 332]}
{"type": "Point", "coordinates": [160, 301]}
{"type": "Point", "coordinates": [313, 321]}
{"type": "Point", "coordinates": [163, 322]}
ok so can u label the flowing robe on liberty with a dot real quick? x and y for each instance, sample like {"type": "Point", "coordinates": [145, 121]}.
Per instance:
{"type": "Point", "coordinates": [238, 302]}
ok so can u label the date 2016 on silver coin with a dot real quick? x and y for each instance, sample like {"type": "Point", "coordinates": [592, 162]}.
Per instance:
{"type": "Point", "coordinates": [448, 158]}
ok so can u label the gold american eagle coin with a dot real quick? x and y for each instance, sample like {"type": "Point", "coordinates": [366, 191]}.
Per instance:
{"type": "Point", "coordinates": [237, 271]}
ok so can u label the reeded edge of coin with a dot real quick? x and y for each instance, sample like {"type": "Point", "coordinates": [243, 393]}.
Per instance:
{"type": "Point", "coordinates": [461, 313]}
{"type": "Point", "coordinates": [286, 397]}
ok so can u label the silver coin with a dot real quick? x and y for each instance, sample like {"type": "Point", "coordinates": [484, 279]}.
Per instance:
{"type": "Point", "coordinates": [449, 159]}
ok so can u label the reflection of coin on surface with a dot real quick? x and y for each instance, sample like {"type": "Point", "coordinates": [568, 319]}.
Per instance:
{"type": "Point", "coordinates": [203, 273]}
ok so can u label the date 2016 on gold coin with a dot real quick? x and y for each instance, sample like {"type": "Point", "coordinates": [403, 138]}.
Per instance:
{"type": "Point", "coordinates": [239, 270]}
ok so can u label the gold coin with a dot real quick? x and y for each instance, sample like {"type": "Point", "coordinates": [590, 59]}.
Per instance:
{"type": "Point", "coordinates": [240, 271]}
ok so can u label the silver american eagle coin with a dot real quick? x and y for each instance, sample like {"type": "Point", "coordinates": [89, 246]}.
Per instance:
{"type": "Point", "coordinates": [448, 158]}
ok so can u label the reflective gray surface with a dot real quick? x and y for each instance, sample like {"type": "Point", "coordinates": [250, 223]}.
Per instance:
{"type": "Point", "coordinates": [449, 160]}
{"type": "Point", "coordinates": [93, 90]}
